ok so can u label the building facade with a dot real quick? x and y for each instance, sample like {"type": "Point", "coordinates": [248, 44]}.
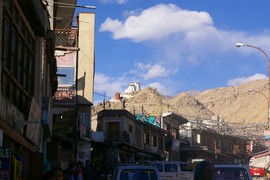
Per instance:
{"type": "Point", "coordinates": [73, 100]}
{"type": "Point", "coordinates": [28, 82]}
{"type": "Point", "coordinates": [121, 138]}
{"type": "Point", "coordinates": [136, 138]}
{"type": "Point", "coordinates": [211, 145]}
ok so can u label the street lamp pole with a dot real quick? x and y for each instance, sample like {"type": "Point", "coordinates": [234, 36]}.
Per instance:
{"type": "Point", "coordinates": [267, 58]}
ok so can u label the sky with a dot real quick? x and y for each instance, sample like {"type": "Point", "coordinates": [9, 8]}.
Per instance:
{"type": "Point", "coordinates": [178, 45]}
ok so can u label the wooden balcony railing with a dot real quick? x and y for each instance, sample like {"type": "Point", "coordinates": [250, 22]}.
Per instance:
{"type": "Point", "coordinates": [66, 38]}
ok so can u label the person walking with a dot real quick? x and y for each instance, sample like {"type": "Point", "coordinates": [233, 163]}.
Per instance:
{"type": "Point", "coordinates": [57, 174]}
{"type": "Point", "coordinates": [204, 170]}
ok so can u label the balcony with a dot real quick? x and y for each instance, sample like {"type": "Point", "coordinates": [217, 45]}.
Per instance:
{"type": "Point", "coordinates": [119, 137]}
{"type": "Point", "coordinates": [66, 39]}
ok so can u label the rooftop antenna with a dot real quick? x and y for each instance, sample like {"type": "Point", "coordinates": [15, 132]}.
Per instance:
{"type": "Point", "coordinates": [104, 101]}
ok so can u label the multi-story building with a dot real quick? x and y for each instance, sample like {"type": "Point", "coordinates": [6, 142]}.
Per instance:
{"type": "Point", "coordinates": [171, 123]}
{"type": "Point", "coordinates": [74, 45]}
{"type": "Point", "coordinates": [28, 82]}
{"type": "Point", "coordinates": [214, 146]}
{"type": "Point", "coordinates": [122, 137]}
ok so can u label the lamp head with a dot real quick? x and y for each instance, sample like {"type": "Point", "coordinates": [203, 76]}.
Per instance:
{"type": "Point", "coordinates": [239, 44]}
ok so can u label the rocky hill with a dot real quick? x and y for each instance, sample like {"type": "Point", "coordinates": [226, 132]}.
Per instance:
{"type": "Point", "coordinates": [150, 101]}
{"type": "Point", "coordinates": [247, 103]}
{"type": "Point", "coordinates": [243, 107]}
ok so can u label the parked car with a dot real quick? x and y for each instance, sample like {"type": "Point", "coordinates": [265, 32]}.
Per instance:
{"type": "Point", "coordinates": [232, 171]}
{"type": "Point", "coordinates": [174, 170]}
{"type": "Point", "coordinates": [267, 170]}
{"type": "Point", "coordinates": [257, 171]}
{"type": "Point", "coordinates": [135, 172]}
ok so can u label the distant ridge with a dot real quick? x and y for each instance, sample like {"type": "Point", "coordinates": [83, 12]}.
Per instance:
{"type": "Point", "coordinates": [246, 103]}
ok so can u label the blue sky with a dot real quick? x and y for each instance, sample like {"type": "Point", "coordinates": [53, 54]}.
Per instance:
{"type": "Point", "coordinates": [178, 45]}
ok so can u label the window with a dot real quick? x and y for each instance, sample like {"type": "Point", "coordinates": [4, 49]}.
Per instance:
{"type": "Point", "coordinates": [18, 59]}
{"type": "Point", "coordinates": [69, 72]}
{"type": "Point", "coordinates": [170, 167]}
{"type": "Point", "coordinates": [84, 124]}
{"type": "Point", "coordinates": [146, 138]}
{"type": "Point", "coordinates": [130, 128]}
{"type": "Point", "coordinates": [173, 133]}
{"type": "Point", "coordinates": [159, 167]}
{"type": "Point", "coordinates": [186, 167]}
{"type": "Point", "coordinates": [137, 173]}
{"type": "Point", "coordinates": [231, 173]}
{"type": "Point", "coordinates": [154, 140]}
{"type": "Point", "coordinates": [165, 126]}
{"type": "Point", "coordinates": [198, 138]}
{"type": "Point", "coordinates": [113, 129]}
{"type": "Point", "coordinates": [6, 41]}
{"type": "Point", "coordinates": [84, 119]}
{"type": "Point", "coordinates": [160, 143]}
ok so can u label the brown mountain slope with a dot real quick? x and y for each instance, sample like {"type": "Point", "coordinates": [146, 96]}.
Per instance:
{"type": "Point", "coordinates": [246, 103]}
{"type": "Point", "coordinates": [243, 110]}
{"type": "Point", "coordinates": [189, 107]}
{"type": "Point", "coordinates": [150, 101]}
{"type": "Point", "coordinates": [235, 104]}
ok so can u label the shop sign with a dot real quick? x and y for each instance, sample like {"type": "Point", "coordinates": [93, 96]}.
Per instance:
{"type": "Point", "coordinates": [266, 138]}
{"type": "Point", "coordinates": [33, 127]}
{"type": "Point", "coordinates": [4, 163]}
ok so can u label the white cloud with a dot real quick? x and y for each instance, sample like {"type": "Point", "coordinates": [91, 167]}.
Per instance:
{"type": "Point", "coordinates": [241, 80]}
{"type": "Point", "coordinates": [184, 35]}
{"type": "Point", "coordinates": [157, 22]}
{"type": "Point", "coordinates": [122, 1]}
{"type": "Point", "coordinates": [193, 30]}
{"type": "Point", "coordinates": [150, 71]}
{"type": "Point", "coordinates": [160, 88]}
{"type": "Point", "coordinates": [174, 35]}
{"type": "Point", "coordinates": [113, 1]}
{"type": "Point", "coordinates": [109, 85]}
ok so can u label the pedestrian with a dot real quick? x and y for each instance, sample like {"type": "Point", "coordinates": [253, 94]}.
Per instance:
{"type": "Point", "coordinates": [204, 170]}
{"type": "Point", "coordinates": [57, 174]}
{"type": "Point", "coordinates": [69, 172]}
{"type": "Point", "coordinates": [79, 171]}
{"type": "Point", "coordinates": [47, 175]}
{"type": "Point", "coordinates": [88, 171]}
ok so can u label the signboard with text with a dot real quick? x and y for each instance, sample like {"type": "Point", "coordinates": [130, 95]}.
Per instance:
{"type": "Point", "coordinates": [4, 163]}
{"type": "Point", "coordinates": [33, 127]}
{"type": "Point", "coordinates": [266, 138]}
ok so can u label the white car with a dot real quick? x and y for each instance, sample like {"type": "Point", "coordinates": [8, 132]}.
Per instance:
{"type": "Point", "coordinates": [232, 172]}
{"type": "Point", "coordinates": [135, 172]}
{"type": "Point", "coordinates": [174, 170]}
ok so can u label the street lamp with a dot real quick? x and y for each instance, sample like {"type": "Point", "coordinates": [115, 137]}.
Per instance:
{"type": "Point", "coordinates": [267, 58]}
{"type": "Point", "coordinates": [68, 5]}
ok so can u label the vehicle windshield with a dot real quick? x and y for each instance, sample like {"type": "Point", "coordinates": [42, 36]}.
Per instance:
{"type": "Point", "coordinates": [231, 173]}
{"type": "Point", "coordinates": [186, 167]}
{"type": "Point", "coordinates": [141, 174]}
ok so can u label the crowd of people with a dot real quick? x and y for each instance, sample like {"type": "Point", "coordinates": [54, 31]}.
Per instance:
{"type": "Point", "coordinates": [80, 171]}
{"type": "Point", "coordinates": [91, 171]}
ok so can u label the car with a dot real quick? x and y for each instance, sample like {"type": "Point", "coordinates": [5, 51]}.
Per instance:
{"type": "Point", "coordinates": [135, 172]}
{"type": "Point", "coordinates": [174, 170]}
{"type": "Point", "coordinates": [267, 170]}
{"type": "Point", "coordinates": [257, 171]}
{"type": "Point", "coordinates": [232, 172]}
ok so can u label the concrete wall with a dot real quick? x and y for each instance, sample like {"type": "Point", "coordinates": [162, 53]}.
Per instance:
{"type": "Point", "coordinates": [86, 56]}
